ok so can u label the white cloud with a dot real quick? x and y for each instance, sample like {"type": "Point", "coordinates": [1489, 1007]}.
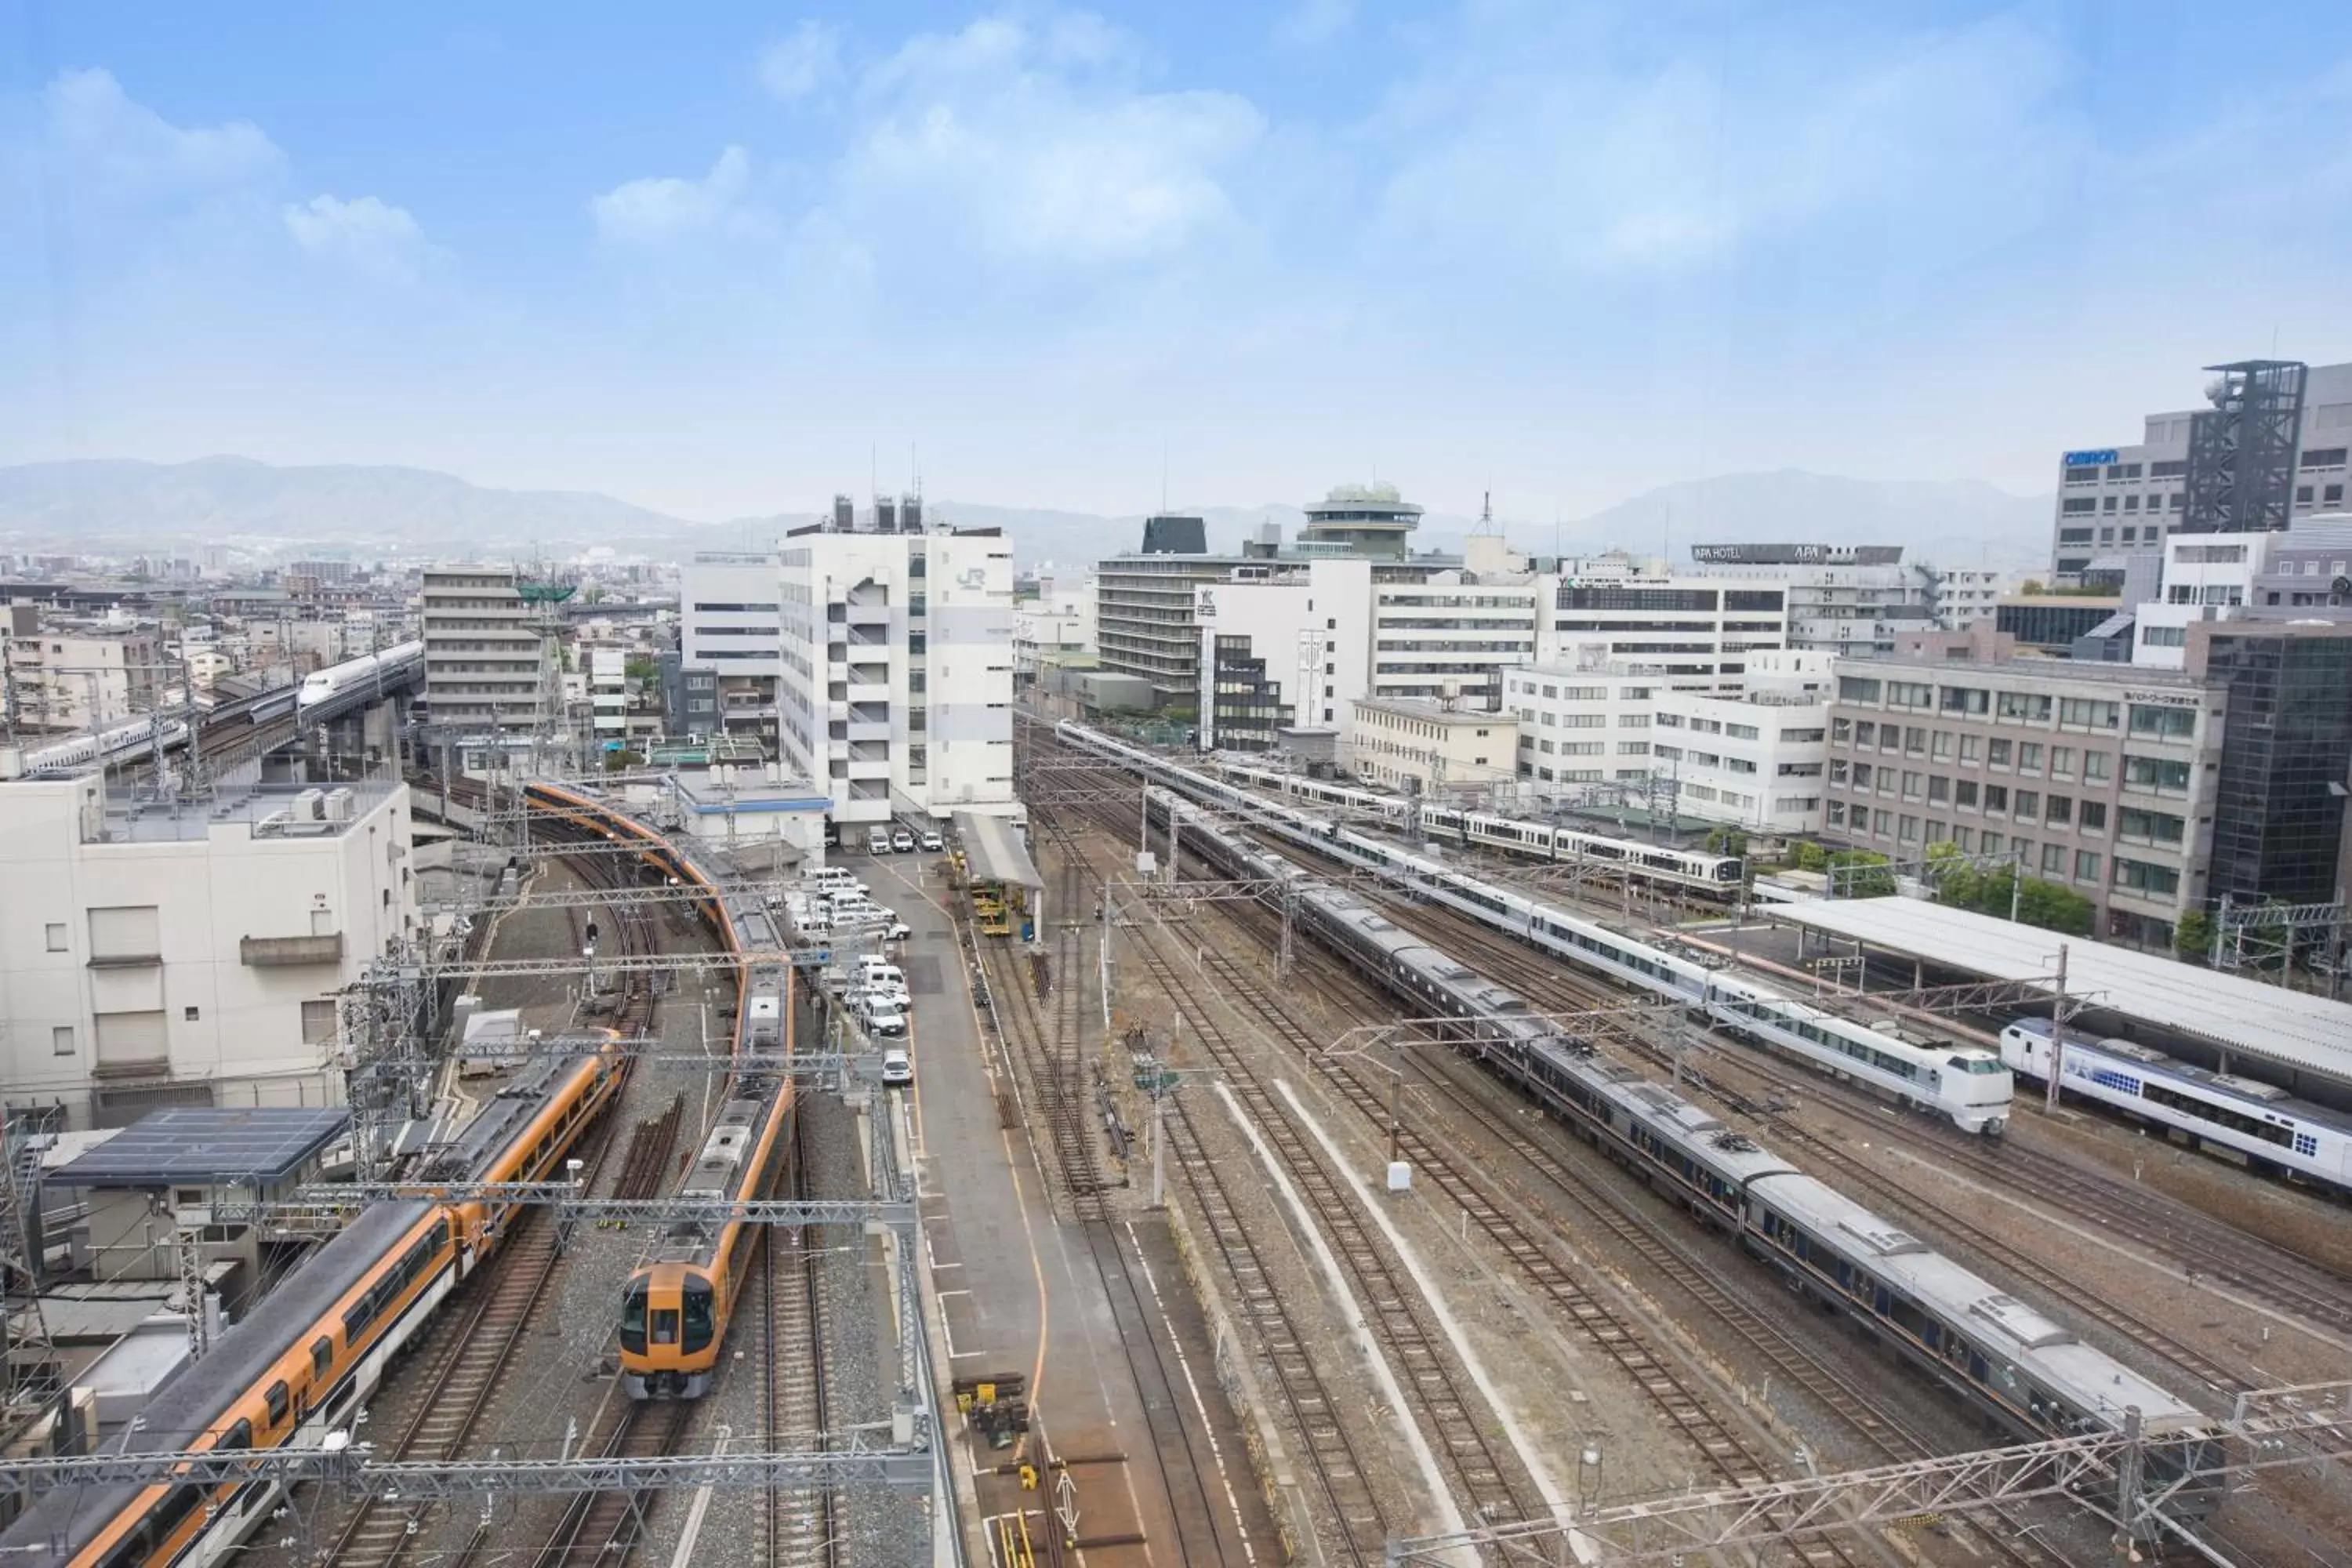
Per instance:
{"type": "Point", "coordinates": [653, 210]}
{"type": "Point", "coordinates": [1311, 23]}
{"type": "Point", "coordinates": [799, 65]}
{"type": "Point", "coordinates": [1543, 137]}
{"type": "Point", "coordinates": [1039, 141]}
{"type": "Point", "coordinates": [375, 238]}
{"type": "Point", "coordinates": [122, 150]}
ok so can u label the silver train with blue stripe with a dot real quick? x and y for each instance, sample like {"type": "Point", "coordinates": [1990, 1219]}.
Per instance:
{"type": "Point", "coordinates": [2030, 1374]}
{"type": "Point", "coordinates": [1970, 1087]}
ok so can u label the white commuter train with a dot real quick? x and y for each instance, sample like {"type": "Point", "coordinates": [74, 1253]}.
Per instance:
{"type": "Point", "coordinates": [1968, 1086]}
{"type": "Point", "coordinates": [1538, 840]}
{"type": "Point", "coordinates": [2259, 1124]}
{"type": "Point", "coordinates": [354, 673]}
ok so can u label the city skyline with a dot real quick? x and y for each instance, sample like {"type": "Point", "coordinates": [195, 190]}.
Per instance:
{"type": "Point", "coordinates": [1050, 255]}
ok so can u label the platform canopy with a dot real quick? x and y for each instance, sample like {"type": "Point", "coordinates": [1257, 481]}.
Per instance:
{"type": "Point", "coordinates": [2249, 1019]}
{"type": "Point", "coordinates": [994, 851]}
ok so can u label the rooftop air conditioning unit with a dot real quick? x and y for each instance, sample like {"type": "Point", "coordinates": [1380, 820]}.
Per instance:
{"type": "Point", "coordinates": [339, 806]}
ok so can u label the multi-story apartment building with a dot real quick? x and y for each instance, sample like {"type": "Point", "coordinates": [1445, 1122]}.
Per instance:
{"type": "Point", "coordinates": [151, 958]}
{"type": "Point", "coordinates": [61, 678]}
{"type": "Point", "coordinates": [1959, 597]}
{"type": "Point", "coordinates": [2102, 777]}
{"type": "Point", "coordinates": [1441, 751]}
{"type": "Point", "coordinates": [485, 663]}
{"type": "Point", "coordinates": [1756, 758]}
{"type": "Point", "coordinates": [896, 650]}
{"type": "Point", "coordinates": [2270, 448]}
{"type": "Point", "coordinates": [607, 668]}
{"type": "Point", "coordinates": [730, 622]}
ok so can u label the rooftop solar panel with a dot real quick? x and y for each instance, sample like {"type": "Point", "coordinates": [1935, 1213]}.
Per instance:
{"type": "Point", "coordinates": [201, 1144]}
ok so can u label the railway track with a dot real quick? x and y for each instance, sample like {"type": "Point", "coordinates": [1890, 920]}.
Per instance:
{"type": "Point", "coordinates": [1839, 1393]}
{"type": "Point", "coordinates": [1735, 1460]}
{"type": "Point", "coordinates": [1052, 1006]}
{"type": "Point", "coordinates": [469, 1356]}
{"type": "Point", "coordinates": [801, 1528]}
{"type": "Point", "coordinates": [1453, 1418]}
{"type": "Point", "coordinates": [1548, 984]}
{"type": "Point", "coordinates": [599, 1530]}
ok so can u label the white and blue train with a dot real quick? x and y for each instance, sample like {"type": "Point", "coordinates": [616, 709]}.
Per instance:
{"type": "Point", "coordinates": [2257, 1124]}
{"type": "Point", "coordinates": [2029, 1373]}
{"type": "Point", "coordinates": [1968, 1086]}
{"type": "Point", "coordinates": [1717, 874]}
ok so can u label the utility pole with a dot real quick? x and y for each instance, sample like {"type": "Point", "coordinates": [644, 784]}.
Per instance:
{"type": "Point", "coordinates": [2057, 1036]}
{"type": "Point", "coordinates": [2017, 891]}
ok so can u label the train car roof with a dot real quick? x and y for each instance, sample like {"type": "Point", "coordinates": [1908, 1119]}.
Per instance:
{"type": "Point", "coordinates": [193, 1400]}
{"type": "Point", "coordinates": [2256, 1097]}
{"type": "Point", "coordinates": [1729, 1153]}
{"type": "Point", "coordinates": [1993, 1319]}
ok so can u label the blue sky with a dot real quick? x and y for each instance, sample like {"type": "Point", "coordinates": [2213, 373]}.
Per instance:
{"type": "Point", "coordinates": [716, 263]}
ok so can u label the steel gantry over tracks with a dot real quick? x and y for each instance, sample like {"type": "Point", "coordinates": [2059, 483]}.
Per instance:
{"type": "Point", "coordinates": [2101, 1472]}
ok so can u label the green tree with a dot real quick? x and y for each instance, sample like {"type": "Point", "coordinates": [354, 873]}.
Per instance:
{"type": "Point", "coordinates": [2054, 908]}
{"type": "Point", "coordinates": [1811, 856]}
{"type": "Point", "coordinates": [1860, 874]}
{"type": "Point", "coordinates": [640, 667]}
{"type": "Point", "coordinates": [2192, 938]}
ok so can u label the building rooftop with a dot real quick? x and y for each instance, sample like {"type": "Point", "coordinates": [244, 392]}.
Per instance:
{"type": "Point", "coordinates": [2144, 676]}
{"type": "Point", "coordinates": [199, 1144]}
{"type": "Point", "coordinates": [1432, 712]}
{"type": "Point", "coordinates": [244, 812]}
{"type": "Point", "coordinates": [2266, 1023]}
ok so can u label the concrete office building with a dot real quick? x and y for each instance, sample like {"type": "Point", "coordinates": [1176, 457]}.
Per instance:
{"type": "Point", "coordinates": [897, 649]}
{"type": "Point", "coordinates": [486, 662]}
{"type": "Point", "coordinates": [1437, 751]}
{"type": "Point", "coordinates": [2102, 777]}
{"type": "Point", "coordinates": [731, 623]}
{"type": "Point", "coordinates": [1833, 598]}
{"type": "Point", "coordinates": [156, 957]}
{"type": "Point", "coordinates": [2268, 448]}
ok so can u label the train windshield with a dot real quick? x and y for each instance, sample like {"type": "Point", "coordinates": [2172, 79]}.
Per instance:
{"type": "Point", "coordinates": [664, 1325]}
{"type": "Point", "coordinates": [633, 1317]}
{"type": "Point", "coordinates": [701, 1319]}
{"type": "Point", "coordinates": [1978, 1064]}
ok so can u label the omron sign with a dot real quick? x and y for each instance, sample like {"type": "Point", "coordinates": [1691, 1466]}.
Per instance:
{"type": "Point", "coordinates": [1799, 554]}
{"type": "Point", "coordinates": [2089, 459]}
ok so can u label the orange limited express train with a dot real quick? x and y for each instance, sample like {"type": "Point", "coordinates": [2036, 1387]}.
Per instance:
{"type": "Point", "coordinates": [297, 1370]}
{"type": "Point", "coordinates": [677, 1303]}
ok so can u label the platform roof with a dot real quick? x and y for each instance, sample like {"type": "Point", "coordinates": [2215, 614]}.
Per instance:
{"type": "Point", "coordinates": [993, 848]}
{"type": "Point", "coordinates": [202, 1144]}
{"type": "Point", "coordinates": [2248, 1018]}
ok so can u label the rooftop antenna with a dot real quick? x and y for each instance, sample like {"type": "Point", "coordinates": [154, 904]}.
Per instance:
{"type": "Point", "coordinates": [1485, 513]}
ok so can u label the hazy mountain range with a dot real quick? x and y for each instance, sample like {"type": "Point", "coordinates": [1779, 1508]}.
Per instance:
{"type": "Point", "coordinates": [114, 506]}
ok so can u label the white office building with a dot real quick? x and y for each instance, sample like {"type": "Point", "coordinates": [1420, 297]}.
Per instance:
{"type": "Point", "coordinates": [1283, 642]}
{"type": "Point", "coordinates": [730, 622]}
{"type": "Point", "coordinates": [896, 651]}
{"type": "Point", "coordinates": [1755, 758]}
{"type": "Point", "coordinates": [155, 956]}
